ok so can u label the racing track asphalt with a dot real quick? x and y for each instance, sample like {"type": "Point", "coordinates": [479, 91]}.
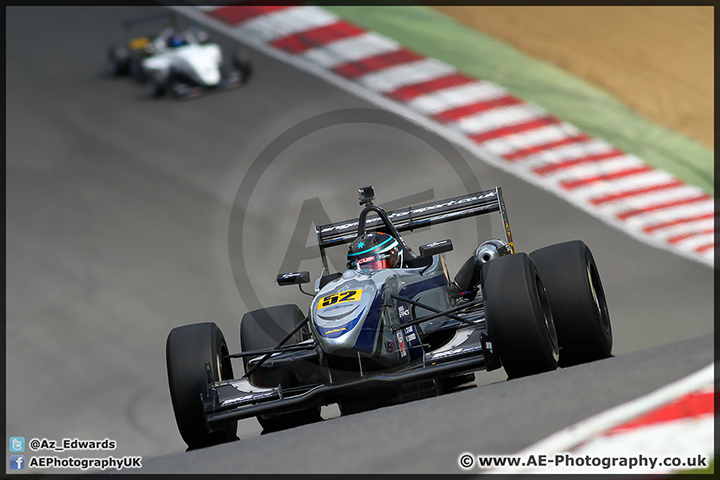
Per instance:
{"type": "Point", "coordinates": [118, 216]}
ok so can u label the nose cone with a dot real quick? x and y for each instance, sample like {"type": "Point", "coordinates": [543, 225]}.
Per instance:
{"type": "Point", "coordinates": [202, 65]}
{"type": "Point", "coordinates": [209, 74]}
{"type": "Point", "coordinates": [340, 313]}
{"type": "Point", "coordinates": [338, 326]}
{"type": "Point", "coordinates": [339, 316]}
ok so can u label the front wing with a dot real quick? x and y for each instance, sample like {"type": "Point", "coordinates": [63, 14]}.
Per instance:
{"type": "Point", "coordinates": [183, 90]}
{"type": "Point", "coordinates": [237, 399]}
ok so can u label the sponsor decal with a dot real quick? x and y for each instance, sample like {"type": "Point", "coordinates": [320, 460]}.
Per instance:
{"type": "Point", "coordinates": [335, 307]}
{"type": "Point", "coordinates": [435, 244]}
{"type": "Point", "coordinates": [401, 344]}
{"type": "Point", "coordinates": [335, 330]}
{"type": "Point", "coordinates": [253, 397]}
{"type": "Point", "coordinates": [403, 311]}
{"type": "Point", "coordinates": [335, 298]}
{"type": "Point", "coordinates": [454, 352]}
{"type": "Point", "coordinates": [408, 212]}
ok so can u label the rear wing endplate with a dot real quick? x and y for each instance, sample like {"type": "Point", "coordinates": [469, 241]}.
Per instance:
{"type": "Point", "coordinates": [425, 215]}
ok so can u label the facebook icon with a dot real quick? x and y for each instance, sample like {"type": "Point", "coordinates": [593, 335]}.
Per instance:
{"type": "Point", "coordinates": [17, 462]}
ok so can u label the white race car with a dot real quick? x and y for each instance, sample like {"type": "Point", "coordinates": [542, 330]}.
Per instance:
{"type": "Point", "coordinates": [180, 63]}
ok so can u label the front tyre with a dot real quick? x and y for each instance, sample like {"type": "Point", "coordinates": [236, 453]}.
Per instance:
{"type": "Point", "coordinates": [187, 350]}
{"type": "Point", "coordinates": [577, 300]}
{"type": "Point", "coordinates": [263, 329]}
{"type": "Point", "coordinates": [157, 84]}
{"type": "Point", "coordinates": [241, 62]}
{"type": "Point", "coordinates": [520, 322]}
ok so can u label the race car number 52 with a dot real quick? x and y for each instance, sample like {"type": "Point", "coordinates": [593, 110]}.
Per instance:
{"type": "Point", "coordinates": [347, 296]}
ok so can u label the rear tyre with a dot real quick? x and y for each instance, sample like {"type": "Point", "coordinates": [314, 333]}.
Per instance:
{"type": "Point", "coordinates": [187, 350]}
{"type": "Point", "coordinates": [577, 300]}
{"type": "Point", "coordinates": [520, 322]}
{"type": "Point", "coordinates": [262, 329]}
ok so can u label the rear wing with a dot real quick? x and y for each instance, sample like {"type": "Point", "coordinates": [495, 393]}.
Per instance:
{"type": "Point", "coordinates": [409, 218]}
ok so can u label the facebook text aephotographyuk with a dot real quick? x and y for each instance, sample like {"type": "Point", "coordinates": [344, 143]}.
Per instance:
{"type": "Point", "coordinates": [85, 463]}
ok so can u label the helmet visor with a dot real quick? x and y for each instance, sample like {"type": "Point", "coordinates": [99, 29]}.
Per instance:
{"type": "Point", "coordinates": [377, 262]}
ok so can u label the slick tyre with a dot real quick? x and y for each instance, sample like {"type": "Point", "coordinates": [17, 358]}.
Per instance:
{"type": "Point", "coordinates": [118, 60]}
{"type": "Point", "coordinates": [157, 84]}
{"type": "Point", "coordinates": [241, 62]}
{"type": "Point", "coordinates": [520, 322]}
{"type": "Point", "coordinates": [577, 300]}
{"type": "Point", "coordinates": [266, 327]}
{"type": "Point", "coordinates": [173, 87]}
{"type": "Point", "coordinates": [188, 349]}
{"type": "Point", "coordinates": [262, 329]}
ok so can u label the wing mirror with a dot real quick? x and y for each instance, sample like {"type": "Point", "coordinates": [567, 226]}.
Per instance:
{"type": "Point", "coordinates": [434, 248]}
{"type": "Point", "coordinates": [293, 278]}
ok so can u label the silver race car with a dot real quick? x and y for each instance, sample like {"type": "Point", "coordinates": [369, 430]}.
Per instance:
{"type": "Point", "coordinates": [181, 63]}
{"type": "Point", "coordinates": [392, 327]}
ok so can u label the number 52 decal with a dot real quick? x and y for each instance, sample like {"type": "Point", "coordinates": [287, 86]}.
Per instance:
{"type": "Point", "coordinates": [335, 298]}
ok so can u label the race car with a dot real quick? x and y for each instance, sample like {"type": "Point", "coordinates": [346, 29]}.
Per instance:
{"type": "Point", "coordinates": [392, 327]}
{"type": "Point", "coordinates": [179, 63]}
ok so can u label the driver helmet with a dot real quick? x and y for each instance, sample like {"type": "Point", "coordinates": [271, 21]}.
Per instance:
{"type": "Point", "coordinates": [176, 41]}
{"type": "Point", "coordinates": [374, 251]}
